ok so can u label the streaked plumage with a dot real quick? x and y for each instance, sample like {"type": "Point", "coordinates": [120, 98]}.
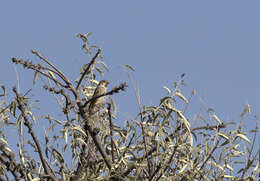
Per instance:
{"type": "Point", "coordinates": [95, 105]}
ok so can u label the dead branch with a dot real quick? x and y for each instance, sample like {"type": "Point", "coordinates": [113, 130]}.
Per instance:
{"type": "Point", "coordinates": [31, 132]}
{"type": "Point", "coordinates": [92, 62]}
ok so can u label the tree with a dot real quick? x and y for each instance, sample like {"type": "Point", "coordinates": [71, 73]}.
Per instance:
{"type": "Point", "coordinates": [159, 144]}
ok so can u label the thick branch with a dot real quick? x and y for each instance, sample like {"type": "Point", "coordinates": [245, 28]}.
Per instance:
{"type": "Point", "coordinates": [97, 142]}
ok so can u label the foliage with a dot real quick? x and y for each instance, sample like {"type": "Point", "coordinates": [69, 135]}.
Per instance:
{"type": "Point", "coordinates": [160, 143]}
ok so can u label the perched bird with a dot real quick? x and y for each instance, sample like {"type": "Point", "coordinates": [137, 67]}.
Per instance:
{"type": "Point", "coordinates": [95, 104]}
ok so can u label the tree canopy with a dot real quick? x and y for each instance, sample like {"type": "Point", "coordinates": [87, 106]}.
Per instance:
{"type": "Point", "coordinates": [161, 142]}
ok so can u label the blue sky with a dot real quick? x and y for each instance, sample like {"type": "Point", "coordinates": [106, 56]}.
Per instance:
{"type": "Point", "coordinates": [215, 43]}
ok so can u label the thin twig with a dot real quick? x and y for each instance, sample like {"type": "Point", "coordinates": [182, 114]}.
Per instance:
{"type": "Point", "coordinates": [187, 105]}
{"type": "Point", "coordinates": [38, 69]}
{"type": "Point", "coordinates": [88, 67]}
{"type": "Point", "coordinates": [168, 163]}
{"type": "Point", "coordinates": [217, 141]}
{"type": "Point", "coordinates": [111, 131]}
{"type": "Point", "coordinates": [142, 119]}
{"type": "Point", "coordinates": [5, 108]}
{"type": "Point", "coordinates": [12, 166]}
{"type": "Point", "coordinates": [62, 76]}
{"type": "Point", "coordinates": [249, 160]}
{"type": "Point", "coordinates": [127, 148]}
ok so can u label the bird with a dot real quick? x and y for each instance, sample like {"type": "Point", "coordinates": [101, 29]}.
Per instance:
{"type": "Point", "coordinates": [95, 104]}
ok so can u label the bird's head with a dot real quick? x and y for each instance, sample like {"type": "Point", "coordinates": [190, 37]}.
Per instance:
{"type": "Point", "coordinates": [103, 83]}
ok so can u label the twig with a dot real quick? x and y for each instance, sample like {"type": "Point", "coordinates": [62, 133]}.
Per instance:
{"type": "Point", "coordinates": [189, 100]}
{"type": "Point", "coordinates": [30, 130]}
{"type": "Point", "coordinates": [223, 125]}
{"type": "Point", "coordinates": [5, 108]}
{"type": "Point", "coordinates": [142, 119]}
{"type": "Point", "coordinates": [62, 76]}
{"type": "Point", "coordinates": [145, 147]}
{"type": "Point", "coordinates": [111, 131]}
{"type": "Point", "coordinates": [6, 176]}
{"type": "Point", "coordinates": [87, 69]}
{"type": "Point", "coordinates": [168, 163]}
{"type": "Point", "coordinates": [127, 147]}
{"type": "Point", "coordinates": [209, 154]}
{"type": "Point", "coordinates": [36, 68]}
{"type": "Point", "coordinates": [12, 166]}
{"type": "Point", "coordinates": [249, 160]}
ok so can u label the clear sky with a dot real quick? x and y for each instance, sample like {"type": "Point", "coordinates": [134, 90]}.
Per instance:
{"type": "Point", "coordinates": [215, 43]}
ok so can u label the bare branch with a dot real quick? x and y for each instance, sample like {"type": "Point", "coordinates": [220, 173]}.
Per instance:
{"type": "Point", "coordinates": [249, 157]}
{"type": "Point", "coordinates": [92, 62]}
{"type": "Point", "coordinates": [62, 76]}
{"type": "Point", "coordinates": [37, 68]}
{"type": "Point", "coordinates": [30, 130]}
{"type": "Point", "coordinates": [111, 131]}
{"type": "Point", "coordinates": [209, 154]}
